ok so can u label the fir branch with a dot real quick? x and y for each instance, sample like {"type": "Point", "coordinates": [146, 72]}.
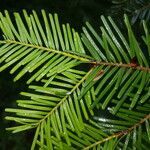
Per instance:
{"type": "Point", "coordinates": [119, 134]}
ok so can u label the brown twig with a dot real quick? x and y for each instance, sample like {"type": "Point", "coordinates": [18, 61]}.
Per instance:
{"type": "Point", "coordinates": [131, 65]}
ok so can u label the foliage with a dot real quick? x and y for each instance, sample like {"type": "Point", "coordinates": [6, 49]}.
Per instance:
{"type": "Point", "coordinates": [86, 92]}
{"type": "Point", "coordinates": [138, 9]}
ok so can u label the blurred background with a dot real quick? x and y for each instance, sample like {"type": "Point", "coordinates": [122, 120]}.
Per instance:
{"type": "Point", "coordinates": [75, 12]}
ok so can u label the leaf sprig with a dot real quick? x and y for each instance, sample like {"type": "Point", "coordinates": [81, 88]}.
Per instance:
{"type": "Point", "coordinates": [76, 77]}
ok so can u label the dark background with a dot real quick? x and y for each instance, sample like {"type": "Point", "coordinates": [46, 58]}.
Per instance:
{"type": "Point", "coordinates": [75, 12]}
